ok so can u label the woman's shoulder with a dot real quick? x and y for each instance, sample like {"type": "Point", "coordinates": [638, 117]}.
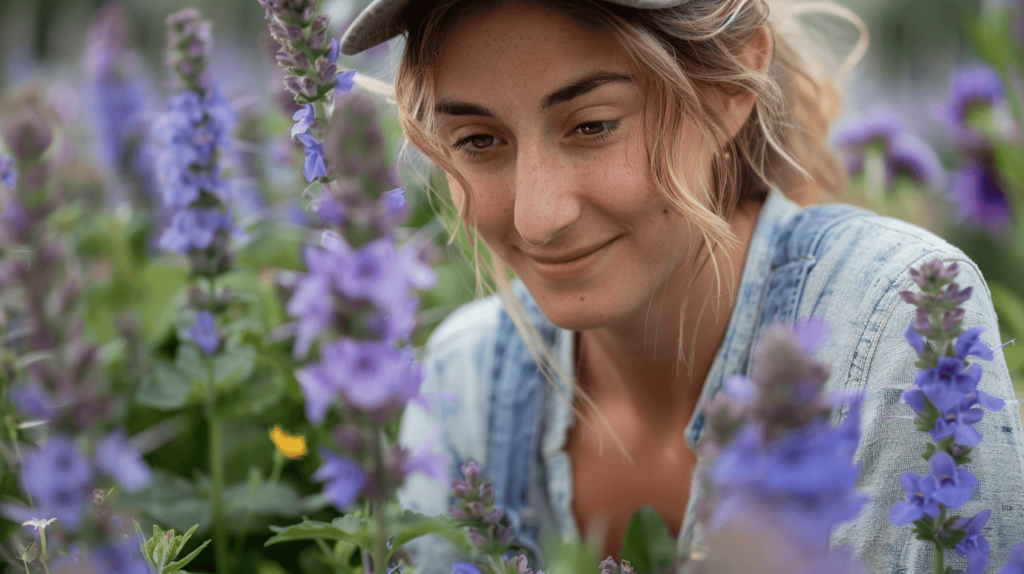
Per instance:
{"type": "Point", "coordinates": [466, 328]}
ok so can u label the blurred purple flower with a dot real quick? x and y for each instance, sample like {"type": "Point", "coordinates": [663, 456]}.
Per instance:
{"type": "Point", "coordinates": [465, 568]}
{"type": "Point", "coordinates": [423, 460]}
{"type": "Point", "coordinates": [204, 332]}
{"type": "Point", "coordinates": [193, 229]}
{"type": "Point", "coordinates": [344, 82]}
{"type": "Point", "coordinates": [973, 86]}
{"type": "Point", "coordinates": [118, 558]}
{"type": "Point", "coordinates": [313, 168]}
{"type": "Point", "coordinates": [1016, 563]}
{"type": "Point", "coordinates": [974, 546]}
{"type": "Point", "coordinates": [343, 479]}
{"type": "Point", "coordinates": [57, 476]}
{"type": "Point", "coordinates": [304, 119]}
{"type": "Point", "coordinates": [372, 273]}
{"type": "Point", "coordinates": [978, 193]}
{"type": "Point", "coordinates": [116, 457]}
{"type": "Point", "coordinates": [8, 174]}
{"type": "Point", "coordinates": [881, 130]}
{"type": "Point", "coordinates": [371, 376]}
{"type": "Point", "coordinates": [312, 301]}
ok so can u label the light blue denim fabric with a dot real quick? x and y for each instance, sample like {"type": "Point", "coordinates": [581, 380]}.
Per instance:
{"type": "Point", "coordinates": [840, 263]}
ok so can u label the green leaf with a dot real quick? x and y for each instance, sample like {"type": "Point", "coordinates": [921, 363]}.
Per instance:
{"type": "Point", "coordinates": [173, 501]}
{"type": "Point", "coordinates": [178, 565]}
{"type": "Point", "coordinates": [349, 528]}
{"type": "Point", "coordinates": [408, 525]}
{"type": "Point", "coordinates": [163, 287]}
{"type": "Point", "coordinates": [165, 388]}
{"type": "Point", "coordinates": [262, 391]}
{"type": "Point", "coordinates": [233, 366]}
{"type": "Point", "coordinates": [647, 545]}
{"type": "Point", "coordinates": [192, 364]}
{"type": "Point", "coordinates": [257, 497]}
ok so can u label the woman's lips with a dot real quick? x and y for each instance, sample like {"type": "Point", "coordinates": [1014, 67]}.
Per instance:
{"type": "Point", "coordinates": [570, 265]}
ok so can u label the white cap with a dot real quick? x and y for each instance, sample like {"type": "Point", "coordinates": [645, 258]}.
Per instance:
{"type": "Point", "coordinates": [382, 20]}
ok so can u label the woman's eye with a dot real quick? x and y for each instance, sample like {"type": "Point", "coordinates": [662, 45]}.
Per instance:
{"type": "Point", "coordinates": [477, 143]}
{"type": "Point", "coordinates": [597, 130]}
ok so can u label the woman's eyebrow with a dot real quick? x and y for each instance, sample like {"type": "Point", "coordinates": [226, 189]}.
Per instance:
{"type": "Point", "coordinates": [583, 85]}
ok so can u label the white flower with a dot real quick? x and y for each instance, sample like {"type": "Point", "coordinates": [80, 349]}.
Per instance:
{"type": "Point", "coordinates": [38, 522]}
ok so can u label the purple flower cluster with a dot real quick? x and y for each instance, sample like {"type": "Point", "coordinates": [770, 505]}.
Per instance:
{"type": "Point", "coordinates": [514, 565]}
{"type": "Point", "coordinates": [193, 134]}
{"type": "Point", "coordinates": [610, 567]}
{"type": "Point", "coordinates": [977, 187]}
{"type": "Point", "coordinates": [59, 479]}
{"type": "Point", "coordinates": [474, 509]}
{"type": "Point", "coordinates": [947, 404]}
{"type": "Point", "coordinates": [880, 133]}
{"type": "Point", "coordinates": [775, 455]}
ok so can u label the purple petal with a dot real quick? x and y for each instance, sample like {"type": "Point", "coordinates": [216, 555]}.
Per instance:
{"type": "Point", "coordinates": [344, 82]}
{"type": "Point", "coordinates": [969, 344]}
{"type": "Point", "coordinates": [903, 513]}
{"type": "Point", "coordinates": [990, 403]}
{"type": "Point", "coordinates": [914, 339]}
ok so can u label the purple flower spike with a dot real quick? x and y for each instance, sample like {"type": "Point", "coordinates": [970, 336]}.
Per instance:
{"type": "Point", "coordinates": [314, 167]}
{"type": "Point", "coordinates": [318, 392]}
{"type": "Point", "coordinates": [980, 196]}
{"type": "Point", "coordinates": [920, 499]}
{"type": "Point", "coordinates": [949, 382]}
{"type": "Point", "coordinates": [954, 485]}
{"type": "Point", "coordinates": [974, 546]}
{"type": "Point", "coordinates": [204, 332]}
{"type": "Point", "coordinates": [116, 457]}
{"type": "Point", "coordinates": [304, 118]}
{"type": "Point", "coordinates": [343, 479]}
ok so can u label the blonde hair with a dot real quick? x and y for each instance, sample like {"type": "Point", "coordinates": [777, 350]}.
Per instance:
{"type": "Point", "coordinates": [781, 146]}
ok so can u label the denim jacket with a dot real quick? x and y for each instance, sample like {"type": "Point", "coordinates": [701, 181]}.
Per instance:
{"type": "Point", "coordinates": [837, 262]}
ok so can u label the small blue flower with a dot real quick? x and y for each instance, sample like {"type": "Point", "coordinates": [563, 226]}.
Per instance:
{"type": "Point", "coordinates": [119, 459]}
{"type": "Point", "coordinates": [957, 422]}
{"type": "Point", "coordinates": [969, 344]}
{"type": "Point", "coordinates": [465, 568]}
{"type": "Point", "coordinates": [332, 51]}
{"type": "Point", "coordinates": [974, 546]}
{"type": "Point", "coordinates": [343, 478]}
{"type": "Point", "coordinates": [920, 501]}
{"type": "Point", "coordinates": [974, 86]}
{"type": "Point", "coordinates": [915, 340]}
{"type": "Point", "coordinates": [344, 82]}
{"type": "Point", "coordinates": [58, 476]}
{"type": "Point", "coordinates": [193, 229]}
{"type": "Point", "coordinates": [980, 196]}
{"type": "Point", "coordinates": [118, 558]}
{"type": "Point", "coordinates": [204, 332]}
{"type": "Point", "coordinates": [949, 382]}
{"type": "Point", "coordinates": [953, 485]}
{"type": "Point", "coordinates": [304, 118]}
{"type": "Point", "coordinates": [314, 167]}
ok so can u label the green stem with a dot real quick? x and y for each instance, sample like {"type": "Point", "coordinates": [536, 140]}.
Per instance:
{"type": "Point", "coordinates": [378, 509]}
{"type": "Point", "coordinates": [220, 539]}
{"type": "Point", "coordinates": [938, 559]}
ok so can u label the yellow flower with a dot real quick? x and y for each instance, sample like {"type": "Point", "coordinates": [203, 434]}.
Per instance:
{"type": "Point", "coordinates": [290, 446]}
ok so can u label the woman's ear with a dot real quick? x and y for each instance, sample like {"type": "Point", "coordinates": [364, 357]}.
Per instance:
{"type": "Point", "coordinates": [737, 103]}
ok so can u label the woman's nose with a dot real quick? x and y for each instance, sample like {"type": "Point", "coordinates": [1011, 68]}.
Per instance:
{"type": "Point", "coordinates": [546, 198]}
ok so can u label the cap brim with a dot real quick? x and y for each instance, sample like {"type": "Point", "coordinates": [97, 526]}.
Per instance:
{"type": "Point", "coordinates": [383, 20]}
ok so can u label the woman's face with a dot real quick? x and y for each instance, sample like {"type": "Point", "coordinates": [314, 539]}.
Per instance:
{"type": "Point", "coordinates": [541, 114]}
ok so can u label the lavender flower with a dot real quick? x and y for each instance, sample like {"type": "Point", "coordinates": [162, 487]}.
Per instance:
{"type": "Point", "coordinates": [474, 508]}
{"type": "Point", "coordinates": [118, 558]}
{"type": "Point", "coordinates": [314, 167]}
{"type": "Point", "coordinates": [26, 132]}
{"type": "Point", "coordinates": [344, 479]}
{"type": "Point", "coordinates": [610, 567]}
{"type": "Point", "coordinates": [204, 332]}
{"type": "Point", "coordinates": [304, 119]}
{"type": "Point", "coordinates": [119, 459]}
{"type": "Point", "coordinates": [947, 403]}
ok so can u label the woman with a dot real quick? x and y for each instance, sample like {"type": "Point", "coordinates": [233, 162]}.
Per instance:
{"type": "Point", "coordinates": [630, 162]}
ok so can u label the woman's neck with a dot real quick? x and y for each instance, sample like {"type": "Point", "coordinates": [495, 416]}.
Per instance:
{"type": "Point", "coordinates": [651, 365]}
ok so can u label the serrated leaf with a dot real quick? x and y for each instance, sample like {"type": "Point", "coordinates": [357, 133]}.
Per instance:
{"type": "Point", "coordinates": [647, 545]}
{"type": "Point", "coordinates": [348, 528]}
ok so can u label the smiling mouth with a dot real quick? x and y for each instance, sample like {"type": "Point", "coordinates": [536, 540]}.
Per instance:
{"type": "Point", "coordinates": [570, 256]}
